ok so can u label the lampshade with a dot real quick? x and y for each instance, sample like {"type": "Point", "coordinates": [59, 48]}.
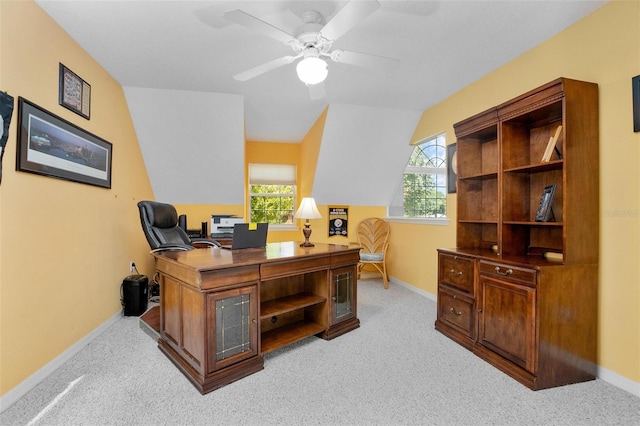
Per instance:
{"type": "Point", "coordinates": [308, 209]}
{"type": "Point", "coordinates": [312, 70]}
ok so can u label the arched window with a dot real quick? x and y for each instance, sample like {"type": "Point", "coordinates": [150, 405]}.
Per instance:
{"type": "Point", "coordinates": [423, 192]}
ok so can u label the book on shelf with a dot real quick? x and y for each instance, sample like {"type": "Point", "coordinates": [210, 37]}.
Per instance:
{"type": "Point", "coordinates": [551, 146]}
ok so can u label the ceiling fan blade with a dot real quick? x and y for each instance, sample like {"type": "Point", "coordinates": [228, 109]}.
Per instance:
{"type": "Point", "coordinates": [365, 60]}
{"type": "Point", "coordinates": [261, 69]}
{"type": "Point", "coordinates": [317, 91]}
{"type": "Point", "coordinates": [253, 23]}
{"type": "Point", "coordinates": [347, 18]}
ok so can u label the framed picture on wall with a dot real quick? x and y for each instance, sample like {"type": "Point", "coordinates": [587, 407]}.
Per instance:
{"type": "Point", "coordinates": [74, 93]}
{"type": "Point", "coordinates": [51, 146]}
{"type": "Point", "coordinates": [635, 85]}
{"type": "Point", "coordinates": [452, 169]}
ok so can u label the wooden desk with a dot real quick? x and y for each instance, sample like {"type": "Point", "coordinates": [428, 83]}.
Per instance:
{"type": "Point", "coordinates": [221, 310]}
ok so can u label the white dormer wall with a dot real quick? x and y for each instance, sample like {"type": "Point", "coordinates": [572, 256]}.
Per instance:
{"type": "Point", "coordinates": [363, 154]}
{"type": "Point", "coordinates": [192, 144]}
{"type": "Point", "coordinates": [193, 148]}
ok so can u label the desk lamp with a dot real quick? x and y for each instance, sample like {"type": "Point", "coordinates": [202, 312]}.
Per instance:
{"type": "Point", "coordinates": [307, 210]}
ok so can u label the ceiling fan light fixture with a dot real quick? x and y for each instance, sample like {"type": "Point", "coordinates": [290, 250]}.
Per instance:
{"type": "Point", "coordinates": [312, 70]}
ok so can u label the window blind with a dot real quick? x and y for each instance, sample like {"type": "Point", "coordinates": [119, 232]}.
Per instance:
{"type": "Point", "coordinates": [272, 174]}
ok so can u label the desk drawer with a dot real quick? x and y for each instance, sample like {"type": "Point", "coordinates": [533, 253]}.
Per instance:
{"type": "Point", "coordinates": [456, 310]}
{"type": "Point", "coordinates": [456, 271]}
{"type": "Point", "coordinates": [512, 273]}
{"type": "Point", "coordinates": [282, 269]}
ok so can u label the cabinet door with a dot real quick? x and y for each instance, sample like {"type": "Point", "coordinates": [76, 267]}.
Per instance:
{"type": "Point", "coordinates": [342, 291]}
{"type": "Point", "coordinates": [507, 320]}
{"type": "Point", "coordinates": [232, 319]}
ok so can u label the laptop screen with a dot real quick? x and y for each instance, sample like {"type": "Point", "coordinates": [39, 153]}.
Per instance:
{"type": "Point", "coordinates": [249, 235]}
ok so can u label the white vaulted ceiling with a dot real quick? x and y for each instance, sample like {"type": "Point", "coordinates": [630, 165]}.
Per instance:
{"type": "Point", "coordinates": [188, 46]}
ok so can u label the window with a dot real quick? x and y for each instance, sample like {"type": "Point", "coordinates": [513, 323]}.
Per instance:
{"type": "Point", "coordinates": [272, 193]}
{"type": "Point", "coordinates": [423, 192]}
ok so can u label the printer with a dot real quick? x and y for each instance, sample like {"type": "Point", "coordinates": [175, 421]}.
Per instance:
{"type": "Point", "coordinates": [222, 225]}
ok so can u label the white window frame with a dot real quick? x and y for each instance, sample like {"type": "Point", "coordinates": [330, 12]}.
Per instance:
{"type": "Point", "coordinates": [441, 171]}
{"type": "Point", "coordinates": [273, 174]}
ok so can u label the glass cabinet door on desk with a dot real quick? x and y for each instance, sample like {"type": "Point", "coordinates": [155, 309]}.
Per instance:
{"type": "Point", "coordinates": [342, 294]}
{"type": "Point", "coordinates": [233, 326]}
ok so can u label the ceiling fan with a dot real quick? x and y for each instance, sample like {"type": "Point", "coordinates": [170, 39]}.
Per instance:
{"type": "Point", "coordinates": [312, 41]}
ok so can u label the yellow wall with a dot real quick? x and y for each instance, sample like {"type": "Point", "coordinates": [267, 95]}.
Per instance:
{"type": "Point", "coordinates": [65, 246]}
{"type": "Point", "coordinates": [309, 151]}
{"type": "Point", "coordinates": [603, 48]}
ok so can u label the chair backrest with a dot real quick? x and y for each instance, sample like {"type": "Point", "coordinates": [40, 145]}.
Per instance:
{"type": "Point", "coordinates": [373, 235]}
{"type": "Point", "coordinates": [160, 224]}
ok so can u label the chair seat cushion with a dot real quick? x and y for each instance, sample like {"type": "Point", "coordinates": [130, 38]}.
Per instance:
{"type": "Point", "coordinates": [371, 257]}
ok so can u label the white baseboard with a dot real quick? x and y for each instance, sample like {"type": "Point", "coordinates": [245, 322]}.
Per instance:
{"type": "Point", "coordinates": [34, 380]}
{"type": "Point", "coordinates": [604, 374]}
{"type": "Point", "coordinates": [619, 381]}
{"type": "Point", "coordinates": [413, 288]}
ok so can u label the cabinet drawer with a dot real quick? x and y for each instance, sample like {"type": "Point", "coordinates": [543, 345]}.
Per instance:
{"type": "Point", "coordinates": [512, 273]}
{"type": "Point", "coordinates": [457, 272]}
{"type": "Point", "coordinates": [456, 309]}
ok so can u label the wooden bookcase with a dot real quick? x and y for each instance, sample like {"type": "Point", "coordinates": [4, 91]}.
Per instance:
{"type": "Point", "coordinates": [519, 292]}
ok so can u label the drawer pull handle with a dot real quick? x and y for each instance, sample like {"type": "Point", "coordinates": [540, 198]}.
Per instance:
{"type": "Point", "coordinates": [454, 273]}
{"type": "Point", "coordinates": [453, 311]}
{"type": "Point", "coordinates": [507, 272]}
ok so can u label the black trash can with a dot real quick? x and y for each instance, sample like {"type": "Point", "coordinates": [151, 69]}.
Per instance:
{"type": "Point", "coordinates": [135, 295]}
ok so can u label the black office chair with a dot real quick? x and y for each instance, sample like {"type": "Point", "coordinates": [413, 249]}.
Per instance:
{"type": "Point", "coordinates": [160, 226]}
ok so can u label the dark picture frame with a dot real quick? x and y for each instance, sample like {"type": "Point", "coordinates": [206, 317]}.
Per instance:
{"type": "Point", "coordinates": [545, 209]}
{"type": "Point", "coordinates": [51, 146]}
{"type": "Point", "coordinates": [452, 169]}
{"type": "Point", "coordinates": [635, 87]}
{"type": "Point", "coordinates": [74, 93]}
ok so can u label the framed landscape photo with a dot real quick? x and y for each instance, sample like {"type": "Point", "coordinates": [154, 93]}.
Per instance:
{"type": "Point", "coordinates": [51, 146]}
{"type": "Point", "coordinates": [545, 211]}
{"type": "Point", "coordinates": [74, 93]}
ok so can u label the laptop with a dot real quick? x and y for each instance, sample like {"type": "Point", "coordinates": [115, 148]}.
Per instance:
{"type": "Point", "coordinates": [248, 235]}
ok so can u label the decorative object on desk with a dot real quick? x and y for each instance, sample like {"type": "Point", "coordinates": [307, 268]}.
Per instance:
{"type": "Point", "coordinates": [452, 169]}
{"type": "Point", "coordinates": [74, 93]}
{"type": "Point", "coordinates": [51, 146]}
{"type": "Point", "coordinates": [635, 84]}
{"type": "Point", "coordinates": [544, 209]}
{"type": "Point", "coordinates": [6, 111]}
{"type": "Point", "coordinates": [307, 210]}
{"type": "Point", "coordinates": [552, 146]}
{"type": "Point", "coordinates": [338, 220]}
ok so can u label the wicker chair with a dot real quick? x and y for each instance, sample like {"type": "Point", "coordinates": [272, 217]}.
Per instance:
{"type": "Point", "coordinates": [373, 237]}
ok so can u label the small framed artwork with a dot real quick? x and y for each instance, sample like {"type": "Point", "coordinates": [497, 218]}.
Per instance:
{"type": "Point", "coordinates": [545, 210]}
{"type": "Point", "coordinates": [74, 93]}
{"type": "Point", "coordinates": [635, 84]}
{"type": "Point", "coordinates": [51, 146]}
{"type": "Point", "coordinates": [452, 169]}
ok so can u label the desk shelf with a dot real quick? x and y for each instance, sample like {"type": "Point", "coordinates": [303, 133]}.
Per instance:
{"type": "Point", "coordinates": [290, 333]}
{"type": "Point", "coordinates": [289, 304]}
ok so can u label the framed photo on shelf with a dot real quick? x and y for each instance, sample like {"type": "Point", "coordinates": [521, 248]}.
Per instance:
{"type": "Point", "coordinates": [51, 146]}
{"type": "Point", "coordinates": [74, 93]}
{"type": "Point", "coordinates": [545, 211]}
{"type": "Point", "coordinates": [452, 169]}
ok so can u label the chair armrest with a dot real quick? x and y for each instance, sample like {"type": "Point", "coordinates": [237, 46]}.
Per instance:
{"type": "Point", "coordinates": [173, 246]}
{"type": "Point", "coordinates": [204, 242]}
